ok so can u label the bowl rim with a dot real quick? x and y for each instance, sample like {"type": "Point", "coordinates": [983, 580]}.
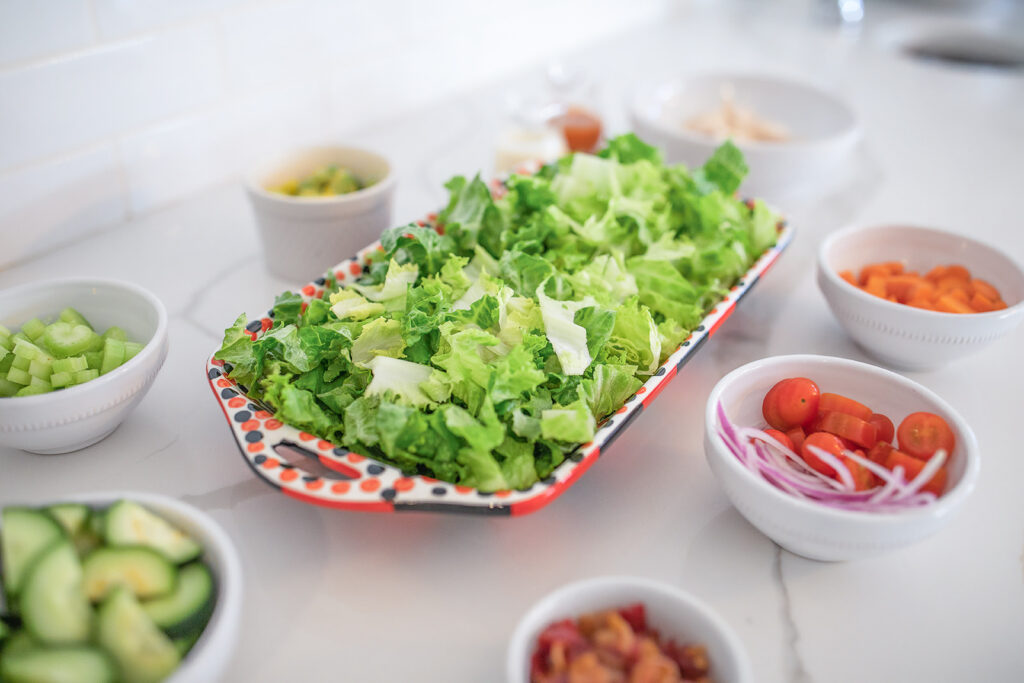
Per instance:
{"type": "Point", "coordinates": [519, 645]}
{"type": "Point", "coordinates": [221, 632]}
{"type": "Point", "coordinates": [949, 500]}
{"type": "Point", "coordinates": [922, 314]}
{"type": "Point", "coordinates": [637, 99]}
{"type": "Point", "coordinates": [267, 164]}
{"type": "Point", "coordinates": [151, 349]}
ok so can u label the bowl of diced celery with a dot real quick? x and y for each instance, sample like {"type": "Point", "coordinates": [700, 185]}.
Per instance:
{"type": "Point", "coordinates": [107, 587]}
{"type": "Point", "coordinates": [319, 205]}
{"type": "Point", "coordinates": [76, 356]}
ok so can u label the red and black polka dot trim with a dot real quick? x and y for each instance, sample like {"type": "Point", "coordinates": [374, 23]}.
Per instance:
{"type": "Point", "coordinates": [315, 471]}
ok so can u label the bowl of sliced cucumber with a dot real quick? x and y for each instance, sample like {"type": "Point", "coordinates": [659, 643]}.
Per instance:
{"type": "Point", "coordinates": [107, 587]}
{"type": "Point", "coordinates": [76, 356]}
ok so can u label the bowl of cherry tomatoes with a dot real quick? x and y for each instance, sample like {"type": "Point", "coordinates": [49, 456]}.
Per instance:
{"type": "Point", "coordinates": [834, 459]}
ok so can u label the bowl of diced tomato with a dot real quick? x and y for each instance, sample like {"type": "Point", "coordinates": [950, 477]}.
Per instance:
{"type": "Point", "coordinates": [834, 459]}
{"type": "Point", "coordinates": [619, 628]}
{"type": "Point", "coordinates": [918, 298]}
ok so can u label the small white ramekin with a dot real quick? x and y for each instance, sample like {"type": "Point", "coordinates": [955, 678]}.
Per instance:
{"type": "Point", "coordinates": [811, 529]}
{"type": "Point", "coordinates": [903, 336]}
{"type": "Point", "coordinates": [304, 236]}
{"type": "Point", "coordinates": [70, 419]}
{"type": "Point", "coordinates": [674, 613]}
{"type": "Point", "coordinates": [209, 657]}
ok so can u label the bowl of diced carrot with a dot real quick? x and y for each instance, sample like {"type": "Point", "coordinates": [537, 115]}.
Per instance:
{"type": "Point", "coordinates": [918, 298]}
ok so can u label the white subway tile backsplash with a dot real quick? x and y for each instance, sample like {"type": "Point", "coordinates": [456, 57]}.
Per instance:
{"type": "Point", "coordinates": [57, 106]}
{"type": "Point", "coordinates": [29, 30]}
{"type": "Point", "coordinates": [46, 205]}
{"type": "Point", "coordinates": [175, 160]}
{"type": "Point", "coordinates": [119, 18]}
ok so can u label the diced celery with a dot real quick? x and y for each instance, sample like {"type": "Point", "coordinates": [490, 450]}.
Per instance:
{"type": "Point", "coordinates": [94, 359]}
{"type": "Point", "coordinates": [36, 382]}
{"type": "Point", "coordinates": [4, 353]}
{"type": "Point", "coordinates": [6, 362]}
{"type": "Point", "coordinates": [131, 349]}
{"type": "Point", "coordinates": [70, 315]}
{"type": "Point", "coordinates": [29, 350]}
{"type": "Point", "coordinates": [4, 332]}
{"type": "Point", "coordinates": [40, 369]}
{"type": "Point", "coordinates": [19, 376]}
{"type": "Point", "coordinates": [8, 388]}
{"type": "Point", "coordinates": [32, 391]}
{"type": "Point", "coordinates": [115, 332]}
{"type": "Point", "coordinates": [34, 328]}
{"type": "Point", "coordinates": [21, 363]}
{"type": "Point", "coordinates": [83, 376]}
{"type": "Point", "coordinates": [113, 355]}
{"type": "Point", "coordinates": [72, 364]}
{"type": "Point", "coordinates": [20, 335]}
{"type": "Point", "coordinates": [65, 339]}
{"type": "Point", "coordinates": [6, 342]}
{"type": "Point", "coordinates": [60, 379]}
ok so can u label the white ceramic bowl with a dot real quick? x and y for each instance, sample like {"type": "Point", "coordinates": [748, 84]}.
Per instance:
{"type": "Point", "coordinates": [304, 236]}
{"type": "Point", "coordinates": [904, 336]}
{"type": "Point", "coordinates": [70, 419]}
{"type": "Point", "coordinates": [811, 529]}
{"type": "Point", "coordinates": [824, 129]}
{"type": "Point", "coordinates": [209, 657]}
{"type": "Point", "coordinates": [673, 612]}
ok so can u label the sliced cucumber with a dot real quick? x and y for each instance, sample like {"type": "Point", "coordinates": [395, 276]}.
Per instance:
{"type": "Point", "coordinates": [142, 570]}
{"type": "Point", "coordinates": [77, 521]}
{"type": "Point", "coordinates": [72, 516]}
{"type": "Point", "coordinates": [129, 523]}
{"type": "Point", "coordinates": [189, 607]}
{"type": "Point", "coordinates": [18, 642]}
{"type": "Point", "coordinates": [184, 644]}
{"type": "Point", "coordinates": [53, 605]}
{"type": "Point", "coordinates": [25, 534]}
{"type": "Point", "coordinates": [143, 652]}
{"type": "Point", "coordinates": [58, 665]}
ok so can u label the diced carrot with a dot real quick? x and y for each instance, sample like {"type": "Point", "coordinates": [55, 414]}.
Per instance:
{"type": "Point", "coordinates": [876, 285]}
{"type": "Point", "coordinates": [985, 289]}
{"type": "Point", "coordinates": [848, 276]}
{"type": "Point", "coordinates": [999, 305]}
{"type": "Point", "coordinates": [961, 296]}
{"type": "Point", "coordinates": [922, 303]}
{"type": "Point", "coordinates": [936, 273]}
{"type": "Point", "coordinates": [895, 267]}
{"type": "Point", "coordinates": [948, 304]}
{"type": "Point", "coordinates": [958, 272]}
{"type": "Point", "coordinates": [874, 270]}
{"type": "Point", "coordinates": [948, 284]}
{"type": "Point", "coordinates": [981, 303]}
{"type": "Point", "coordinates": [903, 287]}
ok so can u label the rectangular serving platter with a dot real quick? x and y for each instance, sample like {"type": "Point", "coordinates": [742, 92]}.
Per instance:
{"type": "Point", "coordinates": [315, 471]}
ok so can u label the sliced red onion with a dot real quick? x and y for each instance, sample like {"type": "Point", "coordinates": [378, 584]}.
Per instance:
{"type": "Point", "coordinates": [784, 469]}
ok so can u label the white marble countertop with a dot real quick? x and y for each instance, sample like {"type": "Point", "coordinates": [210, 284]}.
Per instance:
{"type": "Point", "coordinates": [365, 597]}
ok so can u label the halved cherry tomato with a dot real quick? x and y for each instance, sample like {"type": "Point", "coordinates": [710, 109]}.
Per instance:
{"type": "Point", "coordinates": [862, 477]}
{"type": "Point", "coordinates": [848, 427]}
{"type": "Point", "coordinates": [841, 404]}
{"type": "Point", "coordinates": [796, 436]}
{"type": "Point", "coordinates": [829, 443]}
{"type": "Point", "coordinates": [635, 616]}
{"type": "Point", "coordinates": [912, 467]}
{"type": "Point", "coordinates": [880, 452]}
{"type": "Point", "coordinates": [886, 429]}
{"type": "Point", "coordinates": [790, 403]}
{"type": "Point", "coordinates": [780, 437]}
{"type": "Point", "coordinates": [922, 434]}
